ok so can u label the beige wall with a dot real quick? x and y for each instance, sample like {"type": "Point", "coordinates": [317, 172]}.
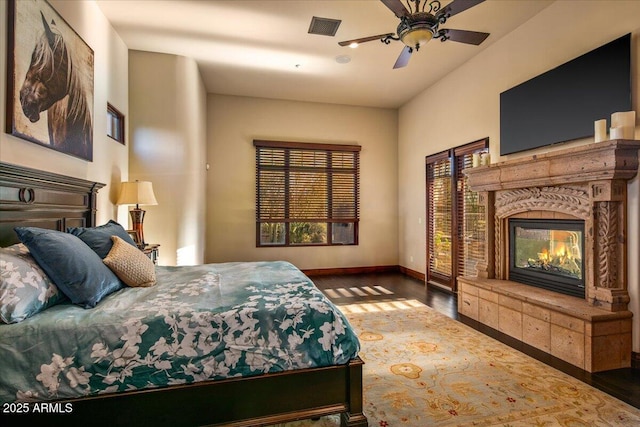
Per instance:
{"type": "Point", "coordinates": [468, 109]}
{"type": "Point", "coordinates": [233, 124]}
{"type": "Point", "coordinates": [170, 145]}
{"type": "Point", "coordinates": [168, 148]}
{"type": "Point", "coordinates": [110, 158]}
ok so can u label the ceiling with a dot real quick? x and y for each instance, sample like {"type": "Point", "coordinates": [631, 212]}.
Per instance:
{"type": "Point", "coordinates": [262, 48]}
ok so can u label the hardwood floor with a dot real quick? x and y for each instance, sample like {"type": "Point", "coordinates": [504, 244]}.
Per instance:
{"type": "Point", "coordinates": [624, 384]}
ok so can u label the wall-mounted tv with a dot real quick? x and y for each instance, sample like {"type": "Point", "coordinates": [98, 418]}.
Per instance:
{"type": "Point", "coordinates": [562, 104]}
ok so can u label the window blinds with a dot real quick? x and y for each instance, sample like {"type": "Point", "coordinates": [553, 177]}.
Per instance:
{"type": "Point", "coordinates": [301, 182]}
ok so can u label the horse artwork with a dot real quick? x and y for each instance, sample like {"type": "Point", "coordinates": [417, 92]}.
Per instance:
{"type": "Point", "coordinates": [52, 74]}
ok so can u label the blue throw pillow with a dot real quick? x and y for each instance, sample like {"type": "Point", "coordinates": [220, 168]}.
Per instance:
{"type": "Point", "coordinates": [99, 238]}
{"type": "Point", "coordinates": [74, 268]}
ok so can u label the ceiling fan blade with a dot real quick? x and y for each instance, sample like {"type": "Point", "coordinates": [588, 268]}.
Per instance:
{"type": "Point", "coordinates": [365, 39]}
{"type": "Point", "coordinates": [463, 36]}
{"type": "Point", "coordinates": [457, 6]}
{"type": "Point", "coordinates": [396, 7]}
{"type": "Point", "coordinates": [404, 57]}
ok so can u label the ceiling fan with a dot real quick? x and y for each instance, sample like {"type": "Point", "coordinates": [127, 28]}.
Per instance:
{"type": "Point", "coordinates": [418, 26]}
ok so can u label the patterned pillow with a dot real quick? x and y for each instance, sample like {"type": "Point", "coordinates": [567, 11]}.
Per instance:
{"type": "Point", "coordinates": [75, 269]}
{"type": "Point", "coordinates": [130, 264]}
{"type": "Point", "coordinates": [24, 288]}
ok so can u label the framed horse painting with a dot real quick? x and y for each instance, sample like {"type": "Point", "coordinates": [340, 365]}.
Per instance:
{"type": "Point", "coordinates": [50, 80]}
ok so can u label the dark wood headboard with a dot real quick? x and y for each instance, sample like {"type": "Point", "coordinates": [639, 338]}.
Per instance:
{"type": "Point", "coordinates": [30, 197]}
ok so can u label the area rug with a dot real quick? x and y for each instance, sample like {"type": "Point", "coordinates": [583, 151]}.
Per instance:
{"type": "Point", "coordinates": [423, 368]}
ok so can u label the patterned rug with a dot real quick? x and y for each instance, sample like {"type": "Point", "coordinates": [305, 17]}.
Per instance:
{"type": "Point", "coordinates": [424, 369]}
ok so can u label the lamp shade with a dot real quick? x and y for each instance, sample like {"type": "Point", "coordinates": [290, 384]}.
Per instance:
{"type": "Point", "coordinates": [416, 37]}
{"type": "Point", "coordinates": [137, 193]}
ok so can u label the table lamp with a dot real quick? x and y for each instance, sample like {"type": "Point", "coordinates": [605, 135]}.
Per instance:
{"type": "Point", "coordinates": [137, 193]}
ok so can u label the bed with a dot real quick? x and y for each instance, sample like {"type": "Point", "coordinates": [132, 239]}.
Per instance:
{"type": "Point", "coordinates": [171, 380]}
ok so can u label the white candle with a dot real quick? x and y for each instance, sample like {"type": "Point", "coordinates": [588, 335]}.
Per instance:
{"type": "Point", "coordinates": [616, 133]}
{"type": "Point", "coordinates": [476, 160]}
{"type": "Point", "coordinates": [626, 121]}
{"type": "Point", "coordinates": [600, 130]}
{"type": "Point", "coordinates": [485, 159]}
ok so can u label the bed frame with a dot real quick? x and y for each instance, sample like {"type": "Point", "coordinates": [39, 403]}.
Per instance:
{"type": "Point", "coordinates": [30, 197]}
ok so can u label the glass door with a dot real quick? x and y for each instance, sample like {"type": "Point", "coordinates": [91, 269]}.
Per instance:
{"type": "Point", "coordinates": [439, 220]}
{"type": "Point", "coordinates": [456, 221]}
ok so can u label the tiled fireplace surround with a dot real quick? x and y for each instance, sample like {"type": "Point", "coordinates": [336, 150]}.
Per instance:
{"type": "Point", "coordinates": [587, 183]}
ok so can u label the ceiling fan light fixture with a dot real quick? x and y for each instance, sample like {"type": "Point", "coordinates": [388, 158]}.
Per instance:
{"type": "Point", "coordinates": [416, 37]}
{"type": "Point", "coordinates": [419, 23]}
{"type": "Point", "coordinates": [354, 45]}
{"type": "Point", "coordinates": [417, 29]}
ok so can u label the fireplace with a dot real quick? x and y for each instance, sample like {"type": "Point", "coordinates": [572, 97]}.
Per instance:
{"type": "Point", "coordinates": [548, 254]}
{"type": "Point", "coordinates": [576, 198]}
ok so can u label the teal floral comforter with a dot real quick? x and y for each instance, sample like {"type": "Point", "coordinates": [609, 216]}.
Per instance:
{"type": "Point", "coordinates": [198, 323]}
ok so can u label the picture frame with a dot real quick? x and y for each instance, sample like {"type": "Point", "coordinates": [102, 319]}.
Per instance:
{"type": "Point", "coordinates": [135, 235]}
{"type": "Point", "coordinates": [50, 80]}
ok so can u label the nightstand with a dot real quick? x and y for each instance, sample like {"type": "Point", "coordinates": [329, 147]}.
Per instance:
{"type": "Point", "coordinates": [152, 251]}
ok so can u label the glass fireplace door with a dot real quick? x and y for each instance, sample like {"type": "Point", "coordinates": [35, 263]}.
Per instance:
{"type": "Point", "coordinates": [547, 254]}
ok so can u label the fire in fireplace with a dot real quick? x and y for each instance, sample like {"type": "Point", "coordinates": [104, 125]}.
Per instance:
{"type": "Point", "coordinates": [548, 254]}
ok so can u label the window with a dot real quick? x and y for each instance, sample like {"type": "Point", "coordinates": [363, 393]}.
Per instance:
{"type": "Point", "coordinates": [115, 123]}
{"type": "Point", "coordinates": [455, 219]}
{"type": "Point", "coordinates": [306, 194]}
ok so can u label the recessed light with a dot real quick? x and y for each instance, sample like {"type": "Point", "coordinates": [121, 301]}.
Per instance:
{"type": "Point", "coordinates": [343, 59]}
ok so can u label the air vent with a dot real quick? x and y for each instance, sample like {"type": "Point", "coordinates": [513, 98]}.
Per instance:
{"type": "Point", "coordinates": [324, 26]}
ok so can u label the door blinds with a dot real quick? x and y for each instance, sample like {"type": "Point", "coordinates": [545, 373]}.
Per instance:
{"type": "Point", "coordinates": [470, 214]}
{"type": "Point", "coordinates": [456, 224]}
{"type": "Point", "coordinates": [440, 218]}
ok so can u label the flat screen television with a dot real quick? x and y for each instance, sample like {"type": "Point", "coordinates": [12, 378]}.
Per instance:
{"type": "Point", "coordinates": [563, 103]}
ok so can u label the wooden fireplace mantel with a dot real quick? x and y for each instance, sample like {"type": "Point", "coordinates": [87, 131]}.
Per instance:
{"type": "Point", "coordinates": [602, 161]}
{"type": "Point", "coordinates": [587, 183]}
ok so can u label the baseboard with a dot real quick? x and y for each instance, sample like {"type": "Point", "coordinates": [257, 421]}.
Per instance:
{"type": "Point", "coordinates": [351, 270]}
{"type": "Point", "coordinates": [365, 270]}
{"type": "Point", "coordinates": [412, 273]}
{"type": "Point", "coordinates": [635, 360]}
